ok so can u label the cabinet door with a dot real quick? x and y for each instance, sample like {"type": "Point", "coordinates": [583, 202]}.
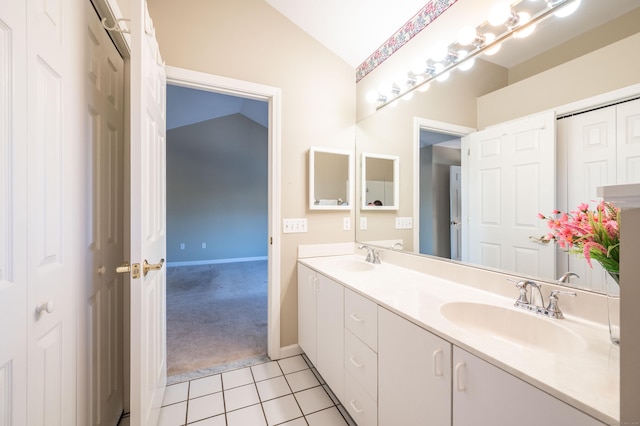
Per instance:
{"type": "Point", "coordinates": [307, 311]}
{"type": "Point", "coordinates": [330, 333]}
{"type": "Point", "coordinates": [414, 374]}
{"type": "Point", "coordinates": [485, 395]}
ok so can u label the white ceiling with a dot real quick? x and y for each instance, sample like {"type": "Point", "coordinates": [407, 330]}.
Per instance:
{"type": "Point", "coordinates": [354, 29]}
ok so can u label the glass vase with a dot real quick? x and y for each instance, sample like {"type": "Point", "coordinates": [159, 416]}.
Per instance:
{"type": "Point", "coordinates": [612, 285]}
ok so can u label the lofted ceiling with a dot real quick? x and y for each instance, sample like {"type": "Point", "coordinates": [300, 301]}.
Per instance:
{"type": "Point", "coordinates": [354, 29]}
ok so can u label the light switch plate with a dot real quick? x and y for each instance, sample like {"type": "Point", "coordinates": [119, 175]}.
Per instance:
{"type": "Point", "coordinates": [293, 226]}
{"type": "Point", "coordinates": [404, 222]}
{"type": "Point", "coordinates": [363, 223]}
{"type": "Point", "coordinates": [346, 224]}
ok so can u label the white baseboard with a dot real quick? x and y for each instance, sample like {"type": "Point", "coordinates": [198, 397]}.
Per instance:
{"type": "Point", "coordinates": [214, 261]}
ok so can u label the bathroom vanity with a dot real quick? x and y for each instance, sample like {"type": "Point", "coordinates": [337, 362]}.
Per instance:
{"type": "Point", "coordinates": [414, 341]}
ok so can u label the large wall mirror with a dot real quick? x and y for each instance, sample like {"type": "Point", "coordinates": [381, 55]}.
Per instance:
{"type": "Point", "coordinates": [330, 179]}
{"type": "Point", "coordinates": [499, 90]}
{"type": "Point", "coordinates": [380, 181]}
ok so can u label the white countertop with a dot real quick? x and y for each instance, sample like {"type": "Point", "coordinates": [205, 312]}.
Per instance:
{"type": "Point", "coordinates": [587, 378]}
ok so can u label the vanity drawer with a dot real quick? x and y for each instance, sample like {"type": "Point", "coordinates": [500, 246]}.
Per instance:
{"type": "Point", "coordinates": [361, 318]}
{"type": "Point", "coordinates": [362, 363]}
{"type": "Point", "coordinates": [362, 408]}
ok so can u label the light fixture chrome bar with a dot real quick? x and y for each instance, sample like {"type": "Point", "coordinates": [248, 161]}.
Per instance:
{"type": "Point", "coordinates": [431, 76]}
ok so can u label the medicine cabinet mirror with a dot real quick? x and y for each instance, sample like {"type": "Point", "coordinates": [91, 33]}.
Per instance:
{"type": "Point", "coordinates": [330, 179]}
{"type": "Point", "coordinates": [380, 182]}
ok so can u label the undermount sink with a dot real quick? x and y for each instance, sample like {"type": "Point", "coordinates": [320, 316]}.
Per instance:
{"type": "Point", "coordinates": [520, 328]}
{"type": "Point", "coordinates": [352, 265]}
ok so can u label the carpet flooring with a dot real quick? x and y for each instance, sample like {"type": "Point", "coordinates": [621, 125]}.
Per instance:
{"type": "Point", "coordinates": [216, 316]}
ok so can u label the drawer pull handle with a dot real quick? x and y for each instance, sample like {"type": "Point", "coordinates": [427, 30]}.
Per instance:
{"type": "Point", "coordinates": [356, 318]}
{"type": "Point", "coordinates": [461, 376]}
{"type": "Point", "coordinates": [437, 362]}
{"type": "Point", "coordinates": [354, 362]}
{"type": "Point", "coordinates": [353, 405]}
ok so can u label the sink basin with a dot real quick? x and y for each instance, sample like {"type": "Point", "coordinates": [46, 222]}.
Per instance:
{"type": "Point", "coordinates": [352, 265]}
{"type": "Point", "coordinates": [521, 328]}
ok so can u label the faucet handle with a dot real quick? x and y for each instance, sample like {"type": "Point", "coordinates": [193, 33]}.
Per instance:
{"type": "Point", "coordinates": [522, 287]}
{"type": "Point", "coordinates": [553, 310]}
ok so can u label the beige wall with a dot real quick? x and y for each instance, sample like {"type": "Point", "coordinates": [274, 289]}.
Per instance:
{"type": "Point", "coordinates": [249, 40]}
{"type": "Point", "coordinates": [612, 67]}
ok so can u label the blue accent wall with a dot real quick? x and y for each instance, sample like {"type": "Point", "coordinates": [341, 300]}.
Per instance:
{"type": "Point", "coordinates": [217, 173]}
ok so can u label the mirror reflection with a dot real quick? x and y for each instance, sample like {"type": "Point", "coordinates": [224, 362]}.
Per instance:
{"type": "Point", "coordinates": [330, 179]}
{"type": "Point", "coordinates": [379, 182]}
{"type": "Point", "coordinates": [497, 91]}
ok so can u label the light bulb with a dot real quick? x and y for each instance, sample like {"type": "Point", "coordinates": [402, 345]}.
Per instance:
{"type": "Point", "coordinates": [444, 76]}
{"type": "Point", "coordinates": [439, 52]}
{"type": "Point", "coordinates": [568, 9]}
{"type": "Point", "coordinates": [418, 66]}
{"type": "Point", "coordinates": [499, 13]}
{"type": "Point", "coordinates": [467, 35]}
{"type": "Point", "coordinates": [372, 96]}
{"type": "Point", "coordinates": [424, 87]}
{"type": "Point", "coordinates": [490, 37]}
{"type": "Point", "coordinates": [465, 65]}
{"type": "Point", "coordinates": [524, 18]}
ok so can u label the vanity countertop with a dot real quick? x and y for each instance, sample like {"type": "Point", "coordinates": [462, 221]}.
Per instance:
{"type": "Point", "coordinates": [586, 377]}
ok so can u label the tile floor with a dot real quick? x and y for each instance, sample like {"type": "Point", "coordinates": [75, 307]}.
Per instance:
{"type": "Point", "coordinates": [285, 392]}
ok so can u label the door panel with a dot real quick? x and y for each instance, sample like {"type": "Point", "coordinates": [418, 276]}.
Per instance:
{"type": "Point", "coordinates": [13, 204]}
{"type": "Point", "coordinates": [148, 223]}
{"type": "Point", "coordinates": [512, 178]}
{"type": "Point", "coordinates": [104, 79]}
{"type": "Point", "coordinates": [55, 207]}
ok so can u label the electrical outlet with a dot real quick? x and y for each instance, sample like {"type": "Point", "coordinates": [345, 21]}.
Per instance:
{"type": "Point", "coordinates": [346, 223]}
{"type": "Point", "coordinates": [204, 245]}
{"type": "Point", "coordinates": [181, 246]}
{"type": "Point", "coordinates": [363, 223]}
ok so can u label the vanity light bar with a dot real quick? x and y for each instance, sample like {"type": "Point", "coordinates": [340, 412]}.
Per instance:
{"type": "Point", "coordinates": [478, 46]}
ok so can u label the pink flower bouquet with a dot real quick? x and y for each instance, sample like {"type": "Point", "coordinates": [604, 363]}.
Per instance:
{"type": "Point", "coordinates": [594, 234]}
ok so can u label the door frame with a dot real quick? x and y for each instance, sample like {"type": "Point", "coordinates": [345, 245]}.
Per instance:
{"type": "Point", "coordinates": [272, 95]}
{"type": "Point", "coordinates": [419, 124]}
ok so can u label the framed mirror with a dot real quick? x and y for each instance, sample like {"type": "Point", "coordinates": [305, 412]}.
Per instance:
{"type": "Point", "coordinates": [380, 182]}
{"type": "Point", "coordinates": [331, 179]}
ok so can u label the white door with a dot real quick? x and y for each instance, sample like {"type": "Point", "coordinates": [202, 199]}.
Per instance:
{"type": "Point", "coordinates": [13, 205]}
{"type": "Point", "coordinates": [628, 141]}
{"type": "Point", "coordinates": [103, 295]}
{"type": "Point", "coordinates": [148, 236]}
{"type": "Point", "coordinates": [56, 207]}
{"type": "Point", "coordinates": [512, 178]}
{"type": "Point", "coordinates": [455, 211]}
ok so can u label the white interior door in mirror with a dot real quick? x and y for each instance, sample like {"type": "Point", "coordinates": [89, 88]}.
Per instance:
{"type": "Point", "coordinates": [511, 179]}
{"type": "Point", "coordinates": [380, 182]}
{"type": "Point", "coordinates": [330, 179]}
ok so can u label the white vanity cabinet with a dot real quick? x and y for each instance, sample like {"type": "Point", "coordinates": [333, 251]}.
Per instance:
{"type": "Point", "coordinates": [321, 325]}
{"type": "Point", "coordinates": [361, 358]}
{"type": "Point", "coordinates": [486, 395]}
{"type": "Point", "coordinates": [414, 374]}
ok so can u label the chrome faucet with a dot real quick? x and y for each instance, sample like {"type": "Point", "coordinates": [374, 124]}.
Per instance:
{"type": "Point", "coordinates": [398, 246]}
{"type": "Point", "coordinates": [531, 304]}
{"type": "Point", "coordinates": [564, 278]}
{"type": "Point", "coordinates": [553, 310]}
{"type": "Point", "coordinates": [373, 255]}
{"type": "Point", "coordinates": [524, 302]}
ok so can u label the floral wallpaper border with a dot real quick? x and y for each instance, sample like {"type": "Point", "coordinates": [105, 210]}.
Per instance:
{"type": "Point", "coordinates": [419, 22]}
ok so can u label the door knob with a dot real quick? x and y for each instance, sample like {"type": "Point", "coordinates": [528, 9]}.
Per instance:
{"type": "Point", "coordinates": [146, 266]}
{"type": "Point", "coordinates": [101, 270]}
{"type": "Point", "coordinates": [47, 307]}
